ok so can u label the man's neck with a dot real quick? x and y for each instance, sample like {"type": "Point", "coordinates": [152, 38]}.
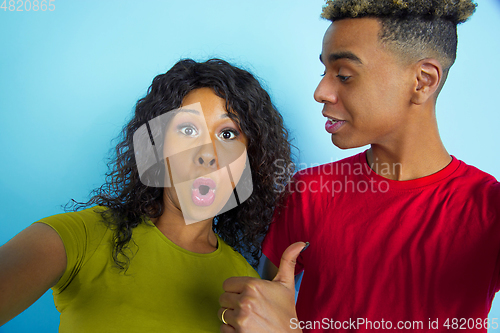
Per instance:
{"type": "Point", "coordinates": [416, 154]}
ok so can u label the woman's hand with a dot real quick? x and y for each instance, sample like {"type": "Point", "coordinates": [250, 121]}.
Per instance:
{"type": "Point", "coordinates": [256, 305]}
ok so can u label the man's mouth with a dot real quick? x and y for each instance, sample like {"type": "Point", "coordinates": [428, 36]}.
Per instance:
{"type": "Point", "coordinates": [333, 125]}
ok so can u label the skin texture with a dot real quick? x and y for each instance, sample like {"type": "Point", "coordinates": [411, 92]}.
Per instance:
{"type": "Point", "coordinates": [371, 98]}
{"type": "Point", "coordinates": [30, 263]}
{"type": "Point", "coordinates": [203, 142]}
{"type": "Point", "coordinates": [198, 237]}
{"type": "Point", "coordinates": [256, 305]}
{"type": "Point", "coordinates": [384, 101]}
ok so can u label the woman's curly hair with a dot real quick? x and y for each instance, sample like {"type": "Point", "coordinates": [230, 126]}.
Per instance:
{"type": "Point", "coordinates": [243, 227]}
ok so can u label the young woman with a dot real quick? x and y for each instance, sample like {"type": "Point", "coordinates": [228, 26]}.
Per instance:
{"type": "Point", "coordinates": [194, 179]}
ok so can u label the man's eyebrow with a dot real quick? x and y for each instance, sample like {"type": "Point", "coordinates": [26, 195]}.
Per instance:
{"type": "Point", "coordinates": [342, 55]}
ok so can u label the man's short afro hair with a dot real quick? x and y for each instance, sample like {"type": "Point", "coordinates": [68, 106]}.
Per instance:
{"type": "Point", "coordinates": [413, 29]}
{"type": "Point", "coordinates": [456, 11]}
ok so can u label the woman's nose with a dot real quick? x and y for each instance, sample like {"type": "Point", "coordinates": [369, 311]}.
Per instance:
{"type": "Point", "coordinates": [208, 160]}
{"type": "Point", "coordinates": [207, 156]}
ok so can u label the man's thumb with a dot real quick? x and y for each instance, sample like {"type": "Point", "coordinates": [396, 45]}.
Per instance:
{"type": "Point", "coordinates": [286, 271]}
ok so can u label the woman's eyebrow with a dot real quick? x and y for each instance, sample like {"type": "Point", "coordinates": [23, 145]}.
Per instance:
{"type": "Point", "coordinates": [222, 116]}
{"type": "Point", "coordinates": [188, 111]}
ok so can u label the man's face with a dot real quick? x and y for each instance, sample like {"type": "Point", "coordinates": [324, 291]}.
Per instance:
{"type": "Point", "coordinates": [365, 89]}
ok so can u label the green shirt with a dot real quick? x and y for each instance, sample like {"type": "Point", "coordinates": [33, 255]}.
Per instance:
{"type": "Point", "coordinates": [165, 289]}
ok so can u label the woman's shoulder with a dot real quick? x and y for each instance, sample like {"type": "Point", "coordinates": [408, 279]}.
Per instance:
{"type": "Point", "coordinates": [81, 232]}
{"type": "Point", "coordinates": [86, 218]}
{"type": "Point", "coordinates": [236, 260]}
{"type": "Point", "coordinates": [86, 225]}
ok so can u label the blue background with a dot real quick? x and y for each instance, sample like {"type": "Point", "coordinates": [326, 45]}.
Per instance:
{"type": "Point", "coordinates": [69, 80]}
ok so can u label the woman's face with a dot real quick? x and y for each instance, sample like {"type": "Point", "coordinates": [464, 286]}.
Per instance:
{"type": "Point", "coordinates": [205, 152]}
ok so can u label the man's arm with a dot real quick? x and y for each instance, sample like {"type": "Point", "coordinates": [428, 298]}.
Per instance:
{"type": "Point", "coordinates": [30, 263]}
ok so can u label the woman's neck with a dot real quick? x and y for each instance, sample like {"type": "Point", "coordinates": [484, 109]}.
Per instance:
{"type": "Point", "coordinates": [195, 237]}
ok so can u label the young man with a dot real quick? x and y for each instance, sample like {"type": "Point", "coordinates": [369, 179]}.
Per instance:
{"type": "Point", "coordinates": [403, 236]}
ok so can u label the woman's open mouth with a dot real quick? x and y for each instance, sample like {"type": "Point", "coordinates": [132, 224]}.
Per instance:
{"type": "Point", "coordinates": [203, 191]}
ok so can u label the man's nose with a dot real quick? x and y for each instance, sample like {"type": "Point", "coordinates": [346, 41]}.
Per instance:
{"type": "Point", "coordinates": [325, 91]}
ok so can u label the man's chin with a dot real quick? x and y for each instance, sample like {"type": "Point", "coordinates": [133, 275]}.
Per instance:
{"type": "Point", "coordinates": [342, 144]}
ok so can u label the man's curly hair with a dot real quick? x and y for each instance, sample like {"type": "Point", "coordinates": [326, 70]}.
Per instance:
{"type": "Point", "coordinates": [415, 29]}
{"type": "Point", "coordinates": [130, 201]}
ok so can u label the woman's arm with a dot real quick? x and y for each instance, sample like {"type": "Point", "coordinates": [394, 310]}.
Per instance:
{"type": "Point", "coordinates": [30, 263]}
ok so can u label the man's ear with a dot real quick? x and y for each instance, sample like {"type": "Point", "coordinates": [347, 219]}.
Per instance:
{"type": "Point", "coordinates": [428, 76]}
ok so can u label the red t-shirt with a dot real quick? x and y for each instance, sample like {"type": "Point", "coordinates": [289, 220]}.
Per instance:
{"type": "Point", "coordinates": [418, 255]}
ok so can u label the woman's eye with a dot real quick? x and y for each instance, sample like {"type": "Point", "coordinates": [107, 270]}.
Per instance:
{"type": "Point", "coordinates": [228, 134]}
{"type": "Point", "coordinates": [343, 78]}
{"type": "Point", "coordinates": [188, 130]}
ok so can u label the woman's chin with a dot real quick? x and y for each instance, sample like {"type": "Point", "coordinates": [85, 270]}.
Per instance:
{"type": "Point", "coordinates": [194, 213]}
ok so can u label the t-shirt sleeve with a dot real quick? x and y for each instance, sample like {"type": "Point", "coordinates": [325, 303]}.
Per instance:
{"type": "Point", "coordinates": [81, 233]}
{"type": "Point", "coordinates": [290, 223]}
{"type": "Point", "coordinates": [495, 200]}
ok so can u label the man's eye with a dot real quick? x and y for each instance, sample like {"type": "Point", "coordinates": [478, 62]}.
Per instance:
{"type": "Point", "coordinates": [228, 134]}
{"type": "Point", "coordinates": [188, 130]}
{"type": "Point", "coordinates": [343, 78]}
{"type": "Point", "coordinates": [324, 73]}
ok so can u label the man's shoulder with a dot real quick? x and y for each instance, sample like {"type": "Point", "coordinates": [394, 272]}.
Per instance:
{"type": "Point", "coordinates": [477, 176]}
{"type": "Point", "coordinates": [475, 186]}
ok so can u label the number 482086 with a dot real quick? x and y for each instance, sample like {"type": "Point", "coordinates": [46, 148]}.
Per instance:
{"type": "Point", "coordinates": [27, 5]}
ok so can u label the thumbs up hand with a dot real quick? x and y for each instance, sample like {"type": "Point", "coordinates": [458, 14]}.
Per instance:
{"type": "Point", "coordinates": [254, 305]}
